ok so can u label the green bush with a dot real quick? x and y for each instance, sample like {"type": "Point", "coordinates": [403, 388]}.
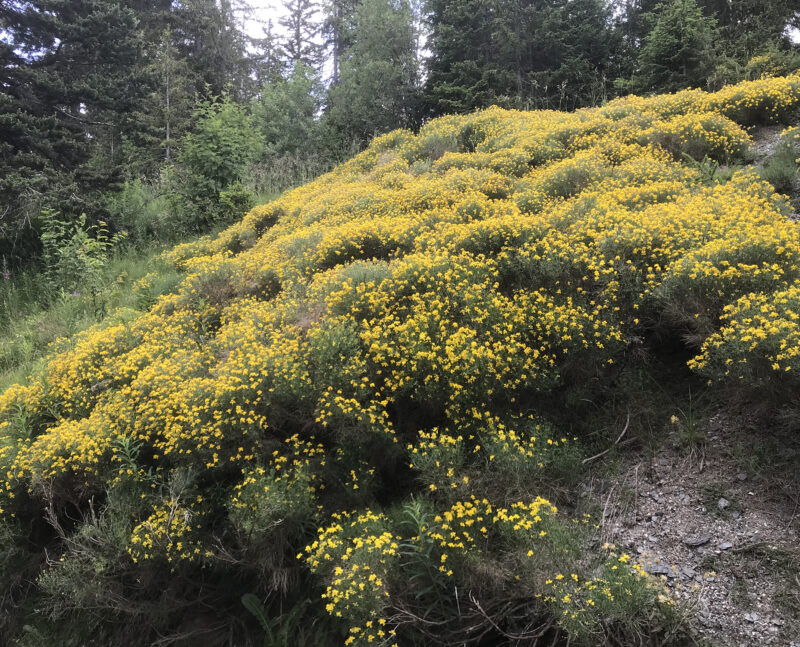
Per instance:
{"type": "Point", "coordinates": [75, 255]}
{"type": "Point", "coordinates": [142, 209]}
{"type": "Point", "coordinates": [213, 162]}
{"type": "Point", "coordinates": [219, 149]}
{"type": "Point", "coordinates": [781, 168]}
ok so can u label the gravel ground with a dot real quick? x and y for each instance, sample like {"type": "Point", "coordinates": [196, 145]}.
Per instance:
{"type": "Point", "coordinates": [721, 530]}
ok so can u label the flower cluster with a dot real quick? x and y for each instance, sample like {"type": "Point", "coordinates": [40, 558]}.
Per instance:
{"type": "Point", "coordinates": [265, 499]}
{"type": "Point", "coordinates": [357, 552]}
{"type": "Point", "coordinates": [759, 342]}
{"type": "Point", "coordinates": [468, 525]}
{"type": "Point", "coordinates": [619, 591]}
{"type": "Point", "coordinates": [171, 532]}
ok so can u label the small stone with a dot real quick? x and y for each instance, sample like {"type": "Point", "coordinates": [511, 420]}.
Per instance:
{"type": "Point", "coordinates": [694, 542]}
{"type": "Point", "coordinates": [657, 568]}
{"type": "Point", "coordinates": [723, 503]}
{"type": "Point", "coordinates": [751, 617]}
{"type": "Point", "coordinates": [725, 545]}
{"type": "Point", "coordinates": [652, 539]}
{"type": "Point", "coordinates": [735, 514]}
{"type": "Point", "coordinates": [742, 476]}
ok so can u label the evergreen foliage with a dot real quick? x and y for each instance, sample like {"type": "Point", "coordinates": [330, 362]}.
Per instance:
{"type": "Point", "coordinates": [678, 52]}
{"type": "Point", "coordinates": [556, 54]}
{"type": "Point", "coordinates": [301, 44]}
{"type": "Point", "coordinates": [377, 86]}
{"type": "Point", "coordinates": [67, 88]}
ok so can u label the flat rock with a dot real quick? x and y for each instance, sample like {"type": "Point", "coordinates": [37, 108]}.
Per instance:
{"type": "Point", "coordinates": [699, 540]}
{"type": "Point", "coordinates": [655, 567]}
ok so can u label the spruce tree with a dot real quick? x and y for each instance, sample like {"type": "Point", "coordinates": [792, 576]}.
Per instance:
{"type": "Point", "coordinates": [302, 24]}
{"type": "Point", "coordinates": [67, 85]}
{"type": "Point", "coordinates": [677, 53]}
{"type": "Point", "coordinates": [524, 53]}
{"type": "Point", "coordinates": [338, 31]}
{"type": "Point", "coordinates": [378, 87]}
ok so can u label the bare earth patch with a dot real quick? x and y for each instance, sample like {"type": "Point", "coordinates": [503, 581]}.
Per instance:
{"type": "Point", "coordinates": [720, 526]}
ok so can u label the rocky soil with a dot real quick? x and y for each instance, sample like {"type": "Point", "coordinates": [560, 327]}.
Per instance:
{"type": "Point", "coordinates": [719, 521]}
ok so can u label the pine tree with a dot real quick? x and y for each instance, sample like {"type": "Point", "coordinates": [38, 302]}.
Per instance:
{"type": "Point", "coordinates": [525, 53]}
{"type": "Point", "coordinates": [378, 84]}
{"type": "Point", "coordinates": [634, 24]}
{"type": "Point", "coordinates": [677, 53]}
{"type": "Point", "coordinates": [207, 35]}
{"type": "Point", "coordinates": [268, 63]}
{"type": "Point", "coordinates": [749, 26]}
{"type": "Point", "coordinates": [463, 66]}
{"type": "Point", "coordinates": [303, 28]}
{"type": "Point", "coordinates": [168, 110]}
{"type": "Point", "coordinates": [68, 84]}
{"type": "Point", "coordinates": [746, 27]}
{"type": "Point", "coordinates": [338, 31]}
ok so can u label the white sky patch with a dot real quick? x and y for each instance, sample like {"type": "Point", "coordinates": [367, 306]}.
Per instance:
{"type": "Point", "coordinates": [260, 14]}
{"type": "Point", "coordinates": [256, 15]}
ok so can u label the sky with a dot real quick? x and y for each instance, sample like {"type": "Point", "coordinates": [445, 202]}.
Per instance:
{"type": "Point", "coordinates": [262, 12]}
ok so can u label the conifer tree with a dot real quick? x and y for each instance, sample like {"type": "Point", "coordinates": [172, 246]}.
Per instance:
{"type": "Point", "coordinates": [378, 87]}
{"type": "Point", "coordinates": [677, 53]}
{"type": "Point", "coordinates": [268, 63]}
{"type": "Point", "coordinates": [209, 37]}
{"type": "Point", "coordinates": [338, 31]}
{"type": "Point", "coordinates": [67, 85]}
{"type": "Point", "coordinates": [303, 27]}
{"type": "Point", "coordinates": [525, 53]}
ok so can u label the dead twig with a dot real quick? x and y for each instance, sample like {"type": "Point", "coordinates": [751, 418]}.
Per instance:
{"type": "Point", "coordinates": [541, 631]}
{"type": "Point", "coordinates": [616, 442]}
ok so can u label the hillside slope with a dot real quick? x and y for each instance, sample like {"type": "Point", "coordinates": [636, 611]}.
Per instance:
{"type": "Point", "coordinates": [354, 402]}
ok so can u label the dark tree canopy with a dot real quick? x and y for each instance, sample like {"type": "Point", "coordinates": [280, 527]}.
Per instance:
{"type": "Point", "coordinates": [525, 53]}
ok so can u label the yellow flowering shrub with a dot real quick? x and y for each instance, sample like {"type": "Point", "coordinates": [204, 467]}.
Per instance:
{"type": "Point", "coordinates": [264, 501]}
{"type": "Point", "coordinates": [383, 571]}
{"type": "Point", "coordinates": [170, 533]}
{"type": "Point", "coordinates": [699, 135]}
{"type": "Point", "coordinates": [619, 591]}
{"type": "Point", "coordinates": [759, 342]}
{"type": "Point", "coordinates": [425, 324]}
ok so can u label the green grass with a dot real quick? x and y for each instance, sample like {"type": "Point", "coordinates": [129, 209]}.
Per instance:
{"type": "Point", "coordinates": [33, 315]}
{"type": "Point", "coordinates": [781, 169]}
